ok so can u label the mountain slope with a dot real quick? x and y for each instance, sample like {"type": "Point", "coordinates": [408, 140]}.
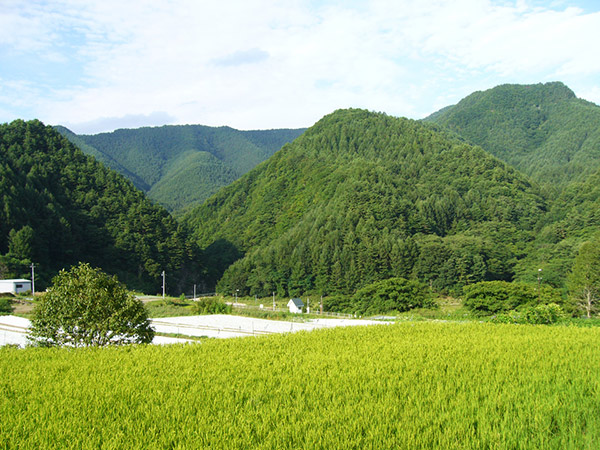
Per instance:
{"type": "Point", "coordinates": [573, 218]}
{"type": "Point", "coordinates": [543, 130]}
{"type": "Point", "coordinates": [362, 196]}
{"type": "Point", "coordinates": [102, 157]}
{"type": "Point", "coordinates": [160, 161]}
{"type": "Point", "coordinates": [59, 206]}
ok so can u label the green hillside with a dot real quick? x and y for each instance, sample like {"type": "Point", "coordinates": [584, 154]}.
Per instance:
{"type": "Point", "coordinates": [543, 130]}
{"type": "Point", "coordinates": [361, 197]}
{"type": "Point", "coordinates": [102, 157]}
{"type": "Point", "coordinates": [59, 206]}
{"type": "Point", "coordinates": [181, 166]}
{"type": "Point", "coordinates": [574, 218]}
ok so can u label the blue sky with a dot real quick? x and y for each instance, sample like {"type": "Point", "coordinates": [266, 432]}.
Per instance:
{"type": "Point", "coordinates": [254, 64]}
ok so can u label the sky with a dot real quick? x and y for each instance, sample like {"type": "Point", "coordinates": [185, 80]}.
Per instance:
{"type": "Point", "coordinates": [95, 66]}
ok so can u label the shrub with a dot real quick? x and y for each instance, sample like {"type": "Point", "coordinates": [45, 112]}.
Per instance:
{"type": "Point", "coordinates": [5, 306]}
{"type": "Point", "coordinates": [535, 315]}
{"type": "Point", "coordinates": [543, 314]}
{"type": "Point", "coordinates": [211, 305]}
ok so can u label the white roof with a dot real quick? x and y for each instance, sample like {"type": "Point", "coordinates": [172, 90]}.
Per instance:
{"type": "Point", "coordinates": [17, 280]}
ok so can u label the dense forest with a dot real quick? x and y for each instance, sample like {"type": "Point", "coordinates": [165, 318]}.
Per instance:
{"type": "Point", "coordinates": [362, 197]}
{"type": "Point", "coordinates": [59, 206]}
{"type": "Point", "coordinates": [497, 187]}
{"type": "Point", "coordinates": [543, 130]}
{"type": "Point", "coordinates": [181, 166]}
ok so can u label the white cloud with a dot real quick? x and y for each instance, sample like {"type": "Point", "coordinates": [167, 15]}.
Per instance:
{"type": "Point", "coordinates": [591, 93]}
{"type": "Point", "coordinates": [262, 64]}
{"type": "Point", "coordinates": [156, 118]}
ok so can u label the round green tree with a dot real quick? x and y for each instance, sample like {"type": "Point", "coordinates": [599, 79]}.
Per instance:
{"type": "Point", "coordinates": [393, 294]}
{"type": "Point", "coordinates": [492, 297]}
{"type": "Point", "coordinates": [86, 307]}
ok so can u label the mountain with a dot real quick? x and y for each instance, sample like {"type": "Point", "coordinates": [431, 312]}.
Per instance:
{"type": "Point", "coordinates": [573, 218]}
{"type": "Point", "coordinates": [59, 206]}
{"type": "Point", "coordinates": [105, 159]}
{"type": "Point", "coordinates": [543, 130]}
{"type": "Point", "coordinates": [181, 166]}
{"type": "Point", "coordinates": [360, 197]}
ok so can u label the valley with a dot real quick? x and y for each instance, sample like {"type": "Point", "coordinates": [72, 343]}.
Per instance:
{"type": "Point", "coordinates": [473, 236]}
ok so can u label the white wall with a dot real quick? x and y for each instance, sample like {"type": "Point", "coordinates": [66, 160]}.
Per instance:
{"type": "Point", "coordinates": [15, 286]}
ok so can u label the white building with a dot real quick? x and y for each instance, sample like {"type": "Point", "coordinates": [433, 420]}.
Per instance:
{"type": "Point", "coordinates": [295, 305]}
{"type": "Point", "coordinates": [15, 286]}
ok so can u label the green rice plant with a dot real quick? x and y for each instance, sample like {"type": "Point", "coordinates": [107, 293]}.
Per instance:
{"type": "Point", "coordinates": [409, 385]}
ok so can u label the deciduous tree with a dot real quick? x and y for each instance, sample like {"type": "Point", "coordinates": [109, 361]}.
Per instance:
{"type": "Point", "coordinates": [584, 280]}
{"type": "Point", "coordinates": [86, 307]}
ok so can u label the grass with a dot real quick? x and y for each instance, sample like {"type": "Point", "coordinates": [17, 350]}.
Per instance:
{"type": "Point", "coordinates": [183, 336]}
{"type": "Point", "coordinates": [171, 307]}
{"type": "Point", "coordinates": [18, 305]}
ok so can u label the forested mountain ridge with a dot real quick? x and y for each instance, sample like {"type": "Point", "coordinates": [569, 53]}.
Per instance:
{"type": "Point", "coordinates": [362, 196]}
{"type": "Point", "coordinates": [182, 165]}
{"type": "Point", "coordinates": [543, 130]}
{"type": "Point", "coordinates": [59, 206]}
{"type": "Point", "coordinates": [105, 159]}
{"type": "Point", "coordinates": [573, 218]}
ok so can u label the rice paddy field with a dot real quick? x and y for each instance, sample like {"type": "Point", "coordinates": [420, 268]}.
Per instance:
{"type": "Point", "coordinates": [419, 385]}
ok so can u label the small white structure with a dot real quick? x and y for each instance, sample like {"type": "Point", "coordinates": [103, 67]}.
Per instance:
{"type": "Point", "coordinates": [15, 286]}
{"type": "Point", "coordinates": [295, 305]}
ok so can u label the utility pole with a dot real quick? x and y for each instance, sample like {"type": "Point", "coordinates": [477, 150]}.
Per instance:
{"type": "Point", "coordinates": [33, 281]}
{"type": "Point", "coordinates": [194, 292]}
{"type": "Point", "coordinates": [273, 301]}
{"type": "Point", "coordinates": [163, 286]}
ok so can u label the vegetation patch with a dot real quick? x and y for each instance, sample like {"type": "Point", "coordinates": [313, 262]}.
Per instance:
{"type": "Point", "coordinates": [409, 385]}
{"type": "Point", "coordinates": [491, 297]}
{"type": "Point", "coordinates": [5, 306]}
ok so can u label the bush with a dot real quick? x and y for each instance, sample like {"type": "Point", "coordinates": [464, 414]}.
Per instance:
{"type": "Point", "coordinates": [172, 301]}
{"type": "Point", "coordinates": [543, 314]}
{"type": "Point", "coordinates": [211, 305]}
{"type": "Point", "coordinates": [5, 306]}
{"type": "Point", "coordinates": [490, 297]}
{"type": "Point", "coordinates": [535, 315]}
{"type": "Point", "coordinates": [393, 294]}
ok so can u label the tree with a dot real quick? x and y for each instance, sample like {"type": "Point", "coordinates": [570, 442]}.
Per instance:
{"type": "Point", "coordinates": [86, 307]}
{"type": "Point", "coordinates": [492, 297]}
{"type": "Point", "coordinates": [20, 243]}
{"type": "Point", "coordinates": [584, 280]}
{"type": "Point", "coordinates": [393, 294]}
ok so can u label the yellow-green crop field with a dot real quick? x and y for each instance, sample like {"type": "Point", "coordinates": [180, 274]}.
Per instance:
{"type": "Point", "coordinates": [405, 386]}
